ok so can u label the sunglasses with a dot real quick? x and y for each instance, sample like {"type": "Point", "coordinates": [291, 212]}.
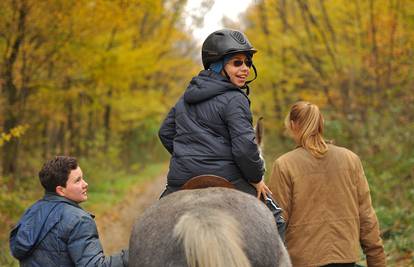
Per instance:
{"type": "Point", "coordinates": [238, 62]}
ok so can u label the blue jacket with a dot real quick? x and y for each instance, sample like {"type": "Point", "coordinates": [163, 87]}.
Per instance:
{"type": "Point", "coordinates": [56, 231]}
{"type": "Point", "coordinates": [209, 131]}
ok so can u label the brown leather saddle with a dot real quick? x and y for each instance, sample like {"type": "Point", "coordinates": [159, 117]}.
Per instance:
{"type": "Point", "coordinates": [207, 180]}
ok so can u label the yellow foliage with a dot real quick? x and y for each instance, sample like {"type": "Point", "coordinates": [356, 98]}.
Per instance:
{"type": "Point", "coordinates": [341, 54]}
{"type": "Point", "coordinates": [15, 132]}
{"type": "Point", "coordinates": [88, 71]}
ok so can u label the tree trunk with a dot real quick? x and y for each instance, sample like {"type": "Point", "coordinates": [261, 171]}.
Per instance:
{"type": "Point", "coordinates": [107, 120]}
{"type": "Point", "coordinates": [11, 118]}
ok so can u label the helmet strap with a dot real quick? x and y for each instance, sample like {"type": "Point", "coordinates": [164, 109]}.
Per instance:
{"type": "Point", "coordinates": [247, 83]}
{"type": "Point", "coordinates": [225, 73]}
{"type": "Point", "coordinates": [247, 89]}
{"type": "Point", "coordinates": [255, 75]}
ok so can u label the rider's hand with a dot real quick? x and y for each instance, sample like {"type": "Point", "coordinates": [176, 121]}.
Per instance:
{"type": "Point", "coordinates": [262, 189]}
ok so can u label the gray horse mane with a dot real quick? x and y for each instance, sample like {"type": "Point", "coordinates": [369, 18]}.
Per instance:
{"type": "Point", "coordinates": [207, 228]}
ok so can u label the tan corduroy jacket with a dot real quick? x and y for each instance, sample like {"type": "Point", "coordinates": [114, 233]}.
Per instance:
{"type": "Point", "coordinates": [327, 205]}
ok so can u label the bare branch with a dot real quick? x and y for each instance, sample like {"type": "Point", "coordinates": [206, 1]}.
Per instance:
{"type": "Point", "coordinates": [328, 23]}
{"type": "Point", "coordinates": [306, 11]}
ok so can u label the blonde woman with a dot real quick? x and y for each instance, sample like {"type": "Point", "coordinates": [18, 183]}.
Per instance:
{"type": "Point", "coordinates": [325, 197]}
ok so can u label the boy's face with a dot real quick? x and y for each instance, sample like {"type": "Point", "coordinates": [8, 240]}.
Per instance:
{"type": "Point", "coordinates": [238, 69]}
{"type": "Point", "coordinates": [76, 187]}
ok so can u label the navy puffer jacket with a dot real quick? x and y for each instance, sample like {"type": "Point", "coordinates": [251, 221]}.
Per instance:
{"type": "Point", "coordinates": [56, 231]}
{"type": "Point", "coordinates": [209, 131]}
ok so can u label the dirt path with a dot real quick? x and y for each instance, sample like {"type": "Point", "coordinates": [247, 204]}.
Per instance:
{"type": "Point", "coordinates": [115, 226]}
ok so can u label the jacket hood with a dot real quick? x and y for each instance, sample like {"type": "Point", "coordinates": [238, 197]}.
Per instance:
{"type": "Point", "coordinates": [35, 223]}
{"type": "Point", "coordinates": [206, 85]}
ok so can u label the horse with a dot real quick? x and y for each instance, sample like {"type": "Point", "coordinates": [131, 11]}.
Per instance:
{"type": "Point", "coordinates": [213, 226]}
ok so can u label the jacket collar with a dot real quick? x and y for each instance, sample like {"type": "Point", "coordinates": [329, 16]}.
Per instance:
{"type": "Point", "coordinates": [206, 85]}
{"type": "Point", "coordinates": [53, 197]}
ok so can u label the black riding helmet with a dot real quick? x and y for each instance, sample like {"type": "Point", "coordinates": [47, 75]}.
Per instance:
{"type": "Point", "coordinates": [224, 42]}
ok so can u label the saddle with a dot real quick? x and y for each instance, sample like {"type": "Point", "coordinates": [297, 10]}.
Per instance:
{"type": "Point", "coordinates": [210, 180]}
{"type": "Point", "coordinates": [207, 180]}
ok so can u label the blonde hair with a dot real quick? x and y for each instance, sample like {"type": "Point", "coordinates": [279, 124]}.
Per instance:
{"type": "Point", "coordinates": [211, 238]}
{"type": "Point", "coordinates": [308, 129]}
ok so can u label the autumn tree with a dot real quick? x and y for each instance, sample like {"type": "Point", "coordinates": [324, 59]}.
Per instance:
{"type": "Point", "coordinates": [87, 78]}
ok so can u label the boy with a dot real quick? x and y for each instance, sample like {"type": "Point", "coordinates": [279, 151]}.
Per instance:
{"type": "Point", "coordinates": [56, 231]}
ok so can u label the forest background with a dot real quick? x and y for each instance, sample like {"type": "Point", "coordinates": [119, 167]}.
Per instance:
{"type": "Point", "coordinates": [94, 79]}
